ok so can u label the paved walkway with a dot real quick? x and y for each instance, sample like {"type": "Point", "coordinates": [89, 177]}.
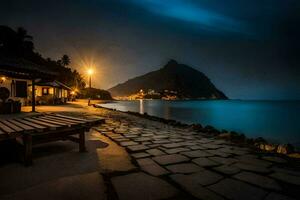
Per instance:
{"type": "Point", "coordinates": [182, 164]}
{"type": "Point", "coordinates": [134, 158]}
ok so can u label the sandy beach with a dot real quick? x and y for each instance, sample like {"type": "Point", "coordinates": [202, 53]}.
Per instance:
{"type": "Point", "coordinates": [130, 157]}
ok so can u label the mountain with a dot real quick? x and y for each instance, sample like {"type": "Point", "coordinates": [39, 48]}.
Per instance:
{"type": "Point", "coordinates": [186, 81]}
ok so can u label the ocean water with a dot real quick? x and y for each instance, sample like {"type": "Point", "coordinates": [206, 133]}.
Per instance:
{"type": "Point", "coordinates": [277, 121]}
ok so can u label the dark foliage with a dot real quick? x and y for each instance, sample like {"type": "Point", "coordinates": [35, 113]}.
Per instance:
{"type": "Point", "coordinates": [18, 44]}
{"type": "Point", "coordinates": [186, 81]}
{"type": "Point", "coordinates": [94, 93]}
{"type": "Point", "coordinates": [65, 60]}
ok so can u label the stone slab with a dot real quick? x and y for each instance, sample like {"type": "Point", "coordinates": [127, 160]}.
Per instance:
{"type": "Point", "coordinates": [140, 155]}
{"type": "Point", "coordinates": [253, 168]}
{"type": "Point", "coordinates": [237, 190]}
{"type": "Point", "coordinates": [172, 145]}
{"type": "Point", "coordinates": [155, 152]}
{"type": "Point", "coordinates": [121, 139]}
{"type": "Point", "coordinates": [276, 196]}
{"type": "Point", "coordinates": [259, 180]}
{"type": "Point", "coordinates": [176, 139]}
{"type": "Point", "coordinates": [205, 140]}
{"type": "Point", "coordinates": [295, 180]}
{"type": "Point", "coordinates": [205, 162]}
{"type": "Point", "coordinates": [224, 161]}
{"type": "Point", "coordinates": [161, 141]}
{"type": "Point", "coordinates": [145, 161]}
{"type": "Point", "coordinates": [211, 146]}
{"type": "Point", "coordinates": [170, 159]}
{"type": "Point", "coordinates": [196, 190]}
{"type": "Point", "coordinates": [286, 171]}
{"type": "Point", "coordinates": [227, 169]}
{"type": "Point", "coordinates": [151, 167]}
{"type": "Point", "coordinates": [131, 136]}
{"type": "Point", "coordinates": [139, 147]}
{"type": "Point", "coordinates": [124, 144]}
{"type": "Point", "coordinates": [217, 152]}
{"type": "Point", "coordinates": [155, 170]}
{"type": "Point", "coordinates": [254, 161]}
{"type": "Point", "coordinates": [176, 150]}
{"type": "Point", "coordinates": [274, 159]}
{"type": "Point", "coordinates": [184, 168]}
{"type": "Point", "coordinates": [197, 147]}
{"type": "Point", "coordinates": [196, 154]}
{"type": "Point", "coordinates": [153, 145]}
{"type": "Point", "coordinates": [142, 139]}
{"type": "Point", "coordinates": [204, 177]}
{"type": "Point", "coordinates": [233, 150]}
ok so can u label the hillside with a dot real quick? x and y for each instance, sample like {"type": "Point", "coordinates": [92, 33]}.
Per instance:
{"type": "Point", "coordinates": [184, 80]}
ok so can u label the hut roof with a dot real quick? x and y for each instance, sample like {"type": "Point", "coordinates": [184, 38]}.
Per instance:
{"type": "Point", "coordinates": [21, 68]}
{"type": "Point", "coordinates": [54, 83]}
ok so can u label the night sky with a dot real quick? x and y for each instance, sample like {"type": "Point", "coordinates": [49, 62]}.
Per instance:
{"type": "Point", "coordinates": [249, 49]}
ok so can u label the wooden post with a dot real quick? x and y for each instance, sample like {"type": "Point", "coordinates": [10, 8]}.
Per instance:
{"type": "Point", "coordinates": [27, 142]}
{"type": "Point", "coordinates": [90, 82]}
{"type": "Point", "coordinates": [33, 95]}
{"type": "Point", "coordinates": [82, 142]}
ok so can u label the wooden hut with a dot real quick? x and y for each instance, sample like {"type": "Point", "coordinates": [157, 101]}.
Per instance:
{"type": "Point", "coordinates": [15, 76]}
{"type": "Point", "coordinates": [51, 92]}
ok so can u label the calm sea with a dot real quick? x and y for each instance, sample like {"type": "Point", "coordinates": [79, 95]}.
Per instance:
{"type": "Point", "coordinates": [277, 121]}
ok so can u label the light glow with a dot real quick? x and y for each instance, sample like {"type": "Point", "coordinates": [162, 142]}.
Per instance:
{"type": "Point", "coordinates": [90, 71]}
{"type": "Point", "coordinates": [3, 79]}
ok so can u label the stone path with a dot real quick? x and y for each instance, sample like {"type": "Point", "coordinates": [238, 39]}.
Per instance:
{"type": "Point", "coordinates": [177, 163]}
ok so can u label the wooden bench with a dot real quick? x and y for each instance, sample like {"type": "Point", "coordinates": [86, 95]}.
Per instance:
{"type": "Point", "coordinates": [39, 129]}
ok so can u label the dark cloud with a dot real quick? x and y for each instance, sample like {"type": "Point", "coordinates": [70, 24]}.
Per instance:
{"type": "Point", "coordinates": [249, 49]}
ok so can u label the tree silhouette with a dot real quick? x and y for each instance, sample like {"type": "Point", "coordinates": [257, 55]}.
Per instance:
{"type": "Point", "coordinates": [16, 44]}
{"type": "Point", "coordinates": [65, 60]}
{"type": "Point", "coordinates": [24, 40]}
{"type": "Point", "coordinates": [22, 34]}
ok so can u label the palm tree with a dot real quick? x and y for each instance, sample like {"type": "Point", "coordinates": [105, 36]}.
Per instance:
{"type": "Point", "coordinates": [65, 60]}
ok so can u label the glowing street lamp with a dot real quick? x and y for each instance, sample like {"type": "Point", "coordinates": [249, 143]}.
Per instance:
{"type": "Point", "coordinates": [90, 73]}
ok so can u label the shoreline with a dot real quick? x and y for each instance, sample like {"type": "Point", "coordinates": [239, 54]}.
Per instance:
{"type": "Point", "coordinates": [259, 144]}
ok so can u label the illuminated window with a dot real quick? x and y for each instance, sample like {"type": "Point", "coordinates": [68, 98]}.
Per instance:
{"type": "Point", "coordinates": [45, 91]}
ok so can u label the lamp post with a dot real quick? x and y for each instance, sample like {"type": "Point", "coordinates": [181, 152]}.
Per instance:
{"type": "Point", "coordinates": [90, 73]}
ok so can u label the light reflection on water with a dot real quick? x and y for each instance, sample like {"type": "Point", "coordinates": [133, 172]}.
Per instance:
{"type": "Point", "coordinates": [278, 121]}
{"type": "Point", "coordinates": [141, 101]}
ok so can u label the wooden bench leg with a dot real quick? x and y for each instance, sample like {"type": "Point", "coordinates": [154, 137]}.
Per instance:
{"type": "Point", "coordinates": [82, 142]}
{"type": "Point", "coordinates": [27, 141]}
